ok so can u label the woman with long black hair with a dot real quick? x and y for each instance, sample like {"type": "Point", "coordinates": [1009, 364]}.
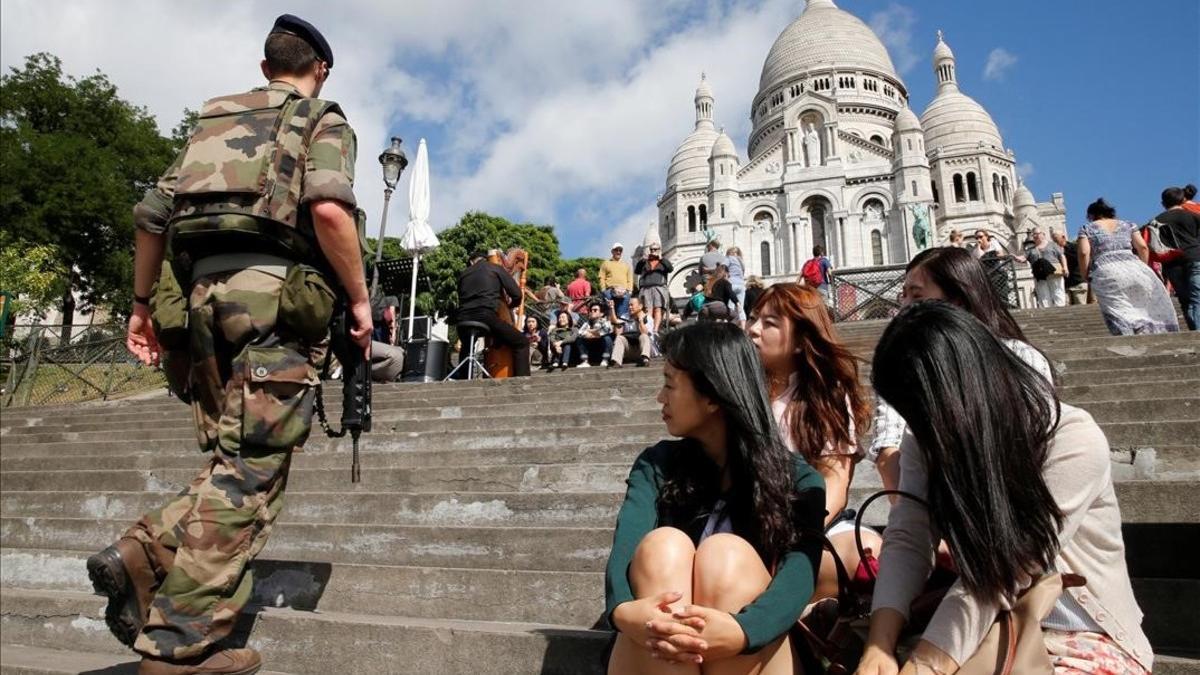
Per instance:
{"type": "Point", "coordinates": [1017, 483]}
{"type": "Point", "coordinates": [717, 543]}
{"type": "Point", "coordinates": [953, 275]}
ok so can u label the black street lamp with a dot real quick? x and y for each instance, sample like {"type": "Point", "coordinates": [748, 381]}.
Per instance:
{"type": "Point", "coordinates": [393, 161]}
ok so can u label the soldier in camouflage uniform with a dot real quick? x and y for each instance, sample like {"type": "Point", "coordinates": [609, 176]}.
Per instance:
{"type": "Point", "coordinates": [254, 222]}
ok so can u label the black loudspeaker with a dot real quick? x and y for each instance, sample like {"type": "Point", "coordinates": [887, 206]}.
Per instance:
{"type": "Point", "coordinates": [425, 361]}
{"type": "Point", "coordinates": [420, 327]}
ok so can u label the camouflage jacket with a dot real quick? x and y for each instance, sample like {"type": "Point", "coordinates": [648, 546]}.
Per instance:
{"type": "Point", "coordinates": [254, 157]}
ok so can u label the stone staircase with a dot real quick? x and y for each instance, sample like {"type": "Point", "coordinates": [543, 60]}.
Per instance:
{"type": "Point", "coordinates": [477, 538]}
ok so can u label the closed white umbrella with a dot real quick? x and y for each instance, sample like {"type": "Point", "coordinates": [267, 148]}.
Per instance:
{"type": "Point", "coordinates": [418, 237]}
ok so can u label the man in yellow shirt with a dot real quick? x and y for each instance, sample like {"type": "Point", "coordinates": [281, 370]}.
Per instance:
{"type": "Point", "coordinates": [616, 281]}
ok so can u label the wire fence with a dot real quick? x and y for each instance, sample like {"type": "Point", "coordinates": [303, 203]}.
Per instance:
{"type": "Point", "coordinates": [874, 292]}
{"type": "Point", "coordinates": [56, 365]}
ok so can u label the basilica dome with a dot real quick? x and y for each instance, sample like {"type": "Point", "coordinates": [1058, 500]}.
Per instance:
{"type": "Point", "coordinates": [824, 36]}
{"type": "Point", "coordinates": [689, 165]}
{"type": "Point", "coordinates": [953, 119]}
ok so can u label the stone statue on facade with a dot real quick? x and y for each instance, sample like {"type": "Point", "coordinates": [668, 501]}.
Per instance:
{"type": "Point", "coordinates": [812, 146]}
{"type": "Point", "coordinates": [920, 230]}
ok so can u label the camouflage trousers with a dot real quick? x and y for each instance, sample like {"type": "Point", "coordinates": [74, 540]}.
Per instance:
{"type": "Point", "coordinates": [252, 395]}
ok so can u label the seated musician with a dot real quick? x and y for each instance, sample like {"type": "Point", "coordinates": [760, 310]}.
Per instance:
{"type": "Point", "coordinates": [480, 289]}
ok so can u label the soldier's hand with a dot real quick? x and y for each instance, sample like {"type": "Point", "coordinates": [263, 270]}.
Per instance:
{"type": "Point", "coordinates": [140, 339]}
{"type": "Point", "coordinates": [361, 333]}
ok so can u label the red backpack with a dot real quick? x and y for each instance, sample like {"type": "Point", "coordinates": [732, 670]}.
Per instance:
{"type": "Point", "coordinates": [812, 272]}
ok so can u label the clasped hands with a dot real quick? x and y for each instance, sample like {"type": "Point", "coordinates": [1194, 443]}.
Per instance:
{"type": "Point", "coordinates": [691, 634]}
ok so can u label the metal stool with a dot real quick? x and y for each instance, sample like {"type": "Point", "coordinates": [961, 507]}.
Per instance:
{"type": "Point", "coordinates": [472, 330]}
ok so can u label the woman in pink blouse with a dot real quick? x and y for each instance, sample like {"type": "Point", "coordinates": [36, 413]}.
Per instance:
{"type": "Point", "coordinates": [818, 404]}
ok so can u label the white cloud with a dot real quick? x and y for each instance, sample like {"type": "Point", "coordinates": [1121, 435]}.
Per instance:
{"type": "Point", "coordinates": [534, 109]}
{"type": "Point", "coordinates": [1025, 170]}
{"type": "Point", "coordinates": [999, 62]}
{"type": "Point", "coordinates": [894, 26]}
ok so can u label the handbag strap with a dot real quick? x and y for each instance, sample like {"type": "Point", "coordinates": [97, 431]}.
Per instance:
{"type": "Point", "coordinates": [858, 518]}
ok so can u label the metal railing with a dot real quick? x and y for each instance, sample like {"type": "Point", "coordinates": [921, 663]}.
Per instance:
{"type": "Point", "coordinates": [874, 292]}
{"type": "Point", "coordinates": [41, 367]}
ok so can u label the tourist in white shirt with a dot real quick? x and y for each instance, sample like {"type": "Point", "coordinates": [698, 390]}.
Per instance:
{"type": "Point", "coordinates": [1018, 484]}
{"type": "Point", "coordinates": [948, 274]}
{"type": "Point", "coordinates": [985, 244]}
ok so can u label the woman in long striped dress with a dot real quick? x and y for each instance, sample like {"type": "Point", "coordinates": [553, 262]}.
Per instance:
{"type": "Point", "coordinates": [1113, 260]}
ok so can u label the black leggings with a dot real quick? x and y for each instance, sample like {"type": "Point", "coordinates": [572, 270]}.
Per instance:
{"type": "Point", "coordinates": [502, 333]}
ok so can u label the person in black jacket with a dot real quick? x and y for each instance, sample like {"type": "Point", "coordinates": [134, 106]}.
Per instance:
{"type": "Point", "coordinates": [479, 289]}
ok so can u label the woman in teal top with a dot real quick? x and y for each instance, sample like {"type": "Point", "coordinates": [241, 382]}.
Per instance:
{"type": "Point", "coordinates": [719, 538]}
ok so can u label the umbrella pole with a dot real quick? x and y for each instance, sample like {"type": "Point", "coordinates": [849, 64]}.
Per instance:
{"type": "Point", "coordinates": [412, 295]}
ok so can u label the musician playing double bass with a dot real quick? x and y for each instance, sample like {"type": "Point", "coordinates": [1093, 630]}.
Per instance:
{"type": "Point", "coordinates": [480, 289]}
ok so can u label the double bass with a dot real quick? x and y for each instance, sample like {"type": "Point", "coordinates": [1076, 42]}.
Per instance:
{"type": "Point", "coordinates": [499, 358]}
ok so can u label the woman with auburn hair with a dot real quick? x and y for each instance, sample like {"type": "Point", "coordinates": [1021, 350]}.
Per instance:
{"type": "Point", "coordinates": [717, 542]}
{"type": "Point", "coordinates": [817, 403]}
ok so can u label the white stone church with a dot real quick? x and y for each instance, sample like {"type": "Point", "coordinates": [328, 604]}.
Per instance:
{"type": "Point", "coordinates": [838, 158]}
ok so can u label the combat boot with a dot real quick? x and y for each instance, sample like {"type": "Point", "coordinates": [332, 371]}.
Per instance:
{"type": "Point", "coordinates": [122, 573]}
{"type": "Point", "coordinates": [244, 661]}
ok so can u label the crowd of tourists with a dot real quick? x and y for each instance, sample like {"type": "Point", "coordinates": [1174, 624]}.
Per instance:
{"type": "Point", "coordinates": [1129, 270]}
{"type": "Point", "coordinates": [735, 544]}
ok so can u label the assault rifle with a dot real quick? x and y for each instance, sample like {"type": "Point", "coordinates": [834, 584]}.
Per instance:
{"type": "Point", "coordinates": [356, 384]}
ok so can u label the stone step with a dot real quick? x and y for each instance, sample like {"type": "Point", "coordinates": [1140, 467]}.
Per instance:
{"type": "Point", "coordinates": [1142, 434]}
{"type": "Point", "coordinates": [561, 598]}
{"type": "Point", "coordinates": [642, 411]}
{"type": "Point", "coordinates": [394, 399]}
{"type": "Point", "coordinates": [487, 417]}
{"type": "Point", "coordinates": [332, 642]}
{"type": "Point", "coordinates": [1169, 607]}
{"type": "Point", "coordinates": [1082, 395]}
{"type": "Point", "coordinates": [513, 434]}
{"type": "Point", "coordinates": [484, 509]}
{"type": "Point", "coordinates": [23, 660]}
{"type": "Point", "coordinates": [432, 479]}
{"type": "Point", "coordinates": [1074, 364]}
{"type": "Point", "coordinates": [600, 452]}
{"type": "Point", "coordinates": [504, 548]}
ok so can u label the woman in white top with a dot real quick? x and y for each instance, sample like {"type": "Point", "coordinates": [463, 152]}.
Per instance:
{"type": "Point", "coordinates": [984, 244]}
{"type": "Point", "coordinates": [817, 401]}
{"type": "Point", "coordinates": [948, 274]}
{"type": "Point", "coordinates": [1017, 484]}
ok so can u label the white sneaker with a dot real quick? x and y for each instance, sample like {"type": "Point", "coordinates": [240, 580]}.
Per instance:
{"type": "Point", "coordinates": [583, 364]}
{"type": "Point", "coordinates": [603, 363]}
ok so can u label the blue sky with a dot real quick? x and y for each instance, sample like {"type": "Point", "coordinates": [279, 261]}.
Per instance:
{"type": "Point", "coordinates": [567, 112]}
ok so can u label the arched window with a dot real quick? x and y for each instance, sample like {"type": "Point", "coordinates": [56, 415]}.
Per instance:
{"type": "Point", "coordinates": [877, 139]}
{"type": "Point", "coordinates": [916, 193]}
{"type": "Point", "coordinates": [722, 211]}
{"type": "Point", "coordinates": [703, 214]}
{"type": "Point", "coordinates": [876, 247]}
{"type": "Point", "coordinates": [721, 168]}
{"type": "Point", "coordinates": [1004, 189]}
{"type": "Point", "coordinates": [765, 256]}
{"type": "Point", "coordinates": [996, 187]}
{"type": "Point", "coordinates": [959, 194]}
{"type": "Point", "coordinates": [817, 215]}
{"type": "Point", "coordinates": [937, 197]}
{"type": "Point", "coordinates": [872, 210]}
{"type": "Point", "coordinates": [691, 219]}
{"type": "Point", "coordinates": [910, 144]}
{"type": "Point", "coordinates": [972, 187]}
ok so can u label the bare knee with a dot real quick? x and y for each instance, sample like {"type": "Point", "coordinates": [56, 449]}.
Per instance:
{"type": "Point", "coordinates": [727, 573]}
{"type": "Point", "coordinates": [664, 554]}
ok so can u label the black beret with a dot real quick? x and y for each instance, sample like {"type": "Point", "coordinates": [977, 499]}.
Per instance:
{"type": "Point", "coordinates": [294, 25]}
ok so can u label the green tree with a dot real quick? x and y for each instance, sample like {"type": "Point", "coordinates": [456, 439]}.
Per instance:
{"type": "Point", "coordinates": [75, 158]}
{"type": "Point", "coordinates": [478, 231]}
{"type": "Point", "coordinates": [33, 274]}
